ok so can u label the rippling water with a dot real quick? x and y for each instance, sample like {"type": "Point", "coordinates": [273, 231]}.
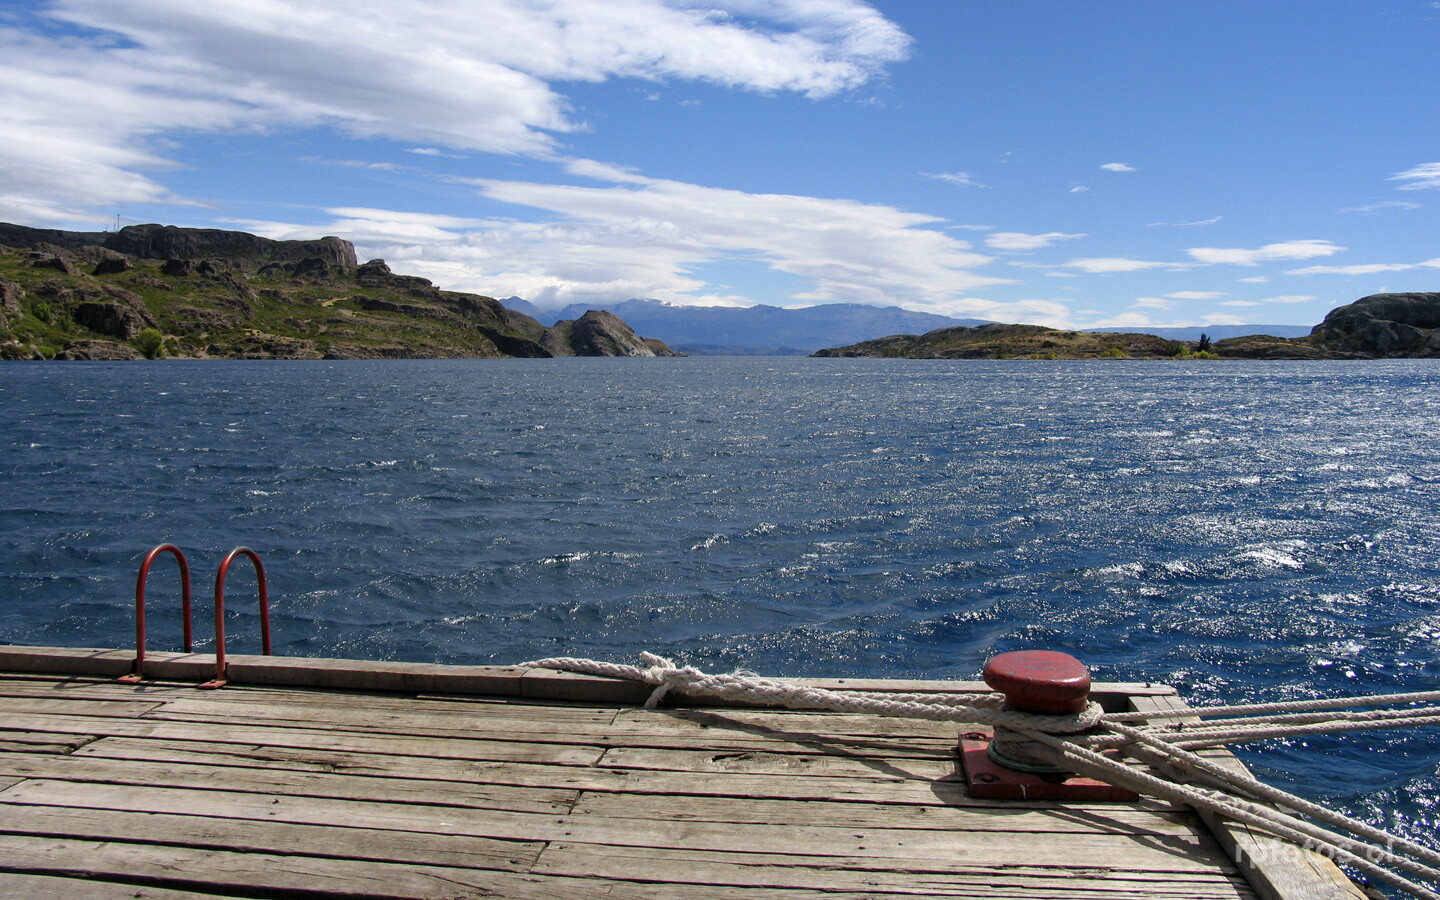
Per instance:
{"type": "Point", "coordinates": [1240, 530]}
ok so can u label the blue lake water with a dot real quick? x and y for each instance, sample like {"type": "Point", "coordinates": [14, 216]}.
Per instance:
{"type": "Point", "coordinates": [1244, 531]}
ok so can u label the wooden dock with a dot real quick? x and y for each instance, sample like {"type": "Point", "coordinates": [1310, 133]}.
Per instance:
{"type": "Point", "coordinates": [316, 778]}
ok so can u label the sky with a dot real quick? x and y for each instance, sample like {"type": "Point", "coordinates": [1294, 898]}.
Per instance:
{"type": "Point", "coordinates": [1115, 163]}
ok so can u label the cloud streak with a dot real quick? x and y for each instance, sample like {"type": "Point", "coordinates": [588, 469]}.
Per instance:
{"type": "Point", "coordinates": [1365, 268]}
{"type": "Point", "coordinates": [1420, 178]}
{"type": "Point", "coordinates": [1020, 241]}
{"type": "Point", "coordinates": [1270, 252]}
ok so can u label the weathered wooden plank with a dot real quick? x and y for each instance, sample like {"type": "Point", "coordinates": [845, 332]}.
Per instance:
{"type": "Point", "coordinates": [879, 788]}
{"type": "Point", "coordinates": [338, 840]}
{"type": "Point", "coordinates": [555, 754]}
{"type": "Point", "coordinates": [17, 747]}
{"type": "Point", "coordinates": [789, 722]}
{"type": "Point", "coordinates": [65, 742]}
{"type": "Point", "coordinates": [74, 706]}
{"type": "Point", "coordinates": [654, 732]}
{"type": "Point", "coordinates": [1117, 818]}
{"type": "Point", "coordinates": [1152, 852]}
{"type": "Point", "coordinates": [49, 887]}
{"type": "Point", "coordinates": [185, 868]}
{"type": "Point", "coordinates": [875, 787]}
{"type": "Point", "coordinates": [1276, 869]}
{"type": "Point", "coordinates": [779, 870]}
{"type": "Point", "coordinates": [470, 706]}
{"type": "Point", "coordinates": [338, 786]}
{"type": "Point", "coordinates": [762, 761]}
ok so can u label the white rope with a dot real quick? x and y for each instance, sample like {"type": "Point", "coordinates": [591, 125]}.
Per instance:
{"type": "Point", "coordinates": [1161, 744]}
{"type": "Point", "coordinates": [979, 709]}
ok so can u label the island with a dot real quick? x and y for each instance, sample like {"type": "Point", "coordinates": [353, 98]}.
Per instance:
{"type": "Point", "coordinates": [150, 291]}
{"type": "Point", "coordinates": [1380, 326]}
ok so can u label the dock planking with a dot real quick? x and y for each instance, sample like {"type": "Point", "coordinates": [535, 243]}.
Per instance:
{"type": "Point", "coordinates": [161, 790]}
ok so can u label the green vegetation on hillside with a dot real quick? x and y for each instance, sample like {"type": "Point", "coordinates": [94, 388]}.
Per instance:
{"type": "Point", "coordinates": [91, 302]}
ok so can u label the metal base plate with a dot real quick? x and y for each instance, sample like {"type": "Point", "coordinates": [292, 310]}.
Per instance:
{"type": "Point", "coordinates": [988, 779]}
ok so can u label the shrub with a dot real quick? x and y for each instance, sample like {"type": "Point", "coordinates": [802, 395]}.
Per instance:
{"type": "Point", "coordinates": [41, 311]}
{"type": "Point", "coordinates": [151, 343]}
{"type": "Point", "coordinates": [1115, 353]}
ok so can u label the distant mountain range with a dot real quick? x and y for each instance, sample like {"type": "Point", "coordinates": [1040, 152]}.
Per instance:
{"type": "Point", "coordinates": [772, 331]}
{"type": "Point", "coordinates": [761, 330]}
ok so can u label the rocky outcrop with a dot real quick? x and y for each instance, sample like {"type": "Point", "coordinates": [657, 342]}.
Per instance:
{"type": "Point", "coordinates": [98, 350]}
{"type": "Point", "coordinates": [1383, 325]}
{"type": "Point", "coordinates": [598, 333]}
{"type": "Point", "coordinates": [170, 242]}
{"type": "Point", "coordinates": [109, 319]}
{"type": "Point", "coordinates": [376, 274]}
{"type": "Point", "coordinates": [10, 296]}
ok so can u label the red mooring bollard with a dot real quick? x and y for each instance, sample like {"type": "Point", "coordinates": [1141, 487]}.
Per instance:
{"type": "Point", "coordinates": [1040, 681]}
{"type": "Point", "coordinates": [1044, 682]}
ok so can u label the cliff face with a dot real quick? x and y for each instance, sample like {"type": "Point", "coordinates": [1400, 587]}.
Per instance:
{"type": "Point", "coordinates": [171, 242]}
{"type": "Point", "coordinates": [161, 290]}
{"type": "Point", "coordinates": [1384, 325]}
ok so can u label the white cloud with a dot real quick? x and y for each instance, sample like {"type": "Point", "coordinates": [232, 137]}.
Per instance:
{"type": "Point", "coordinates": [1051, 313]}
{"type": "Point", "coordinates": [1376, 207]}
{"type": "Point", "coordinates": [1363, 269]}
{"type": "Point", "coordinates": [1290, 298]}
{"type": "Point", "coordinates": [1284, 250]}
{"type": "Point", "coordinates": [1197, 224]}
{"type": "Point", "coordinates": [1079, 189]}
{"type": "Point", "coordinates": [1197, 295]}
{"type": "Point", "coordinates": [1419, 178]}
{"type": "Point", "coordinates": [960, 179]}
{"type": "Point", "coordinates": [642, 237]}
{"type": "Point", "coordinates": [1125, 320]}
{"type": "Point", "coordinates": [1152, 303]}
{"type": "Point", "coordinates": [1255, 279]}
{"type": "Point", "coordinates": [84, 108]}
{"type": "Point", "coordinates": [1018, 240]}
{"type": "Point", "coordinates": [1102, 265]}
{"type": "Point", "coordinates": [1239, 303]}
{"type": "Point", "coordinates": [1117, 167]}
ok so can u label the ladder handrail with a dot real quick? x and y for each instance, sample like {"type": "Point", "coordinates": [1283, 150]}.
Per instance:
{"type": "Point", "coordinates": [140, 580]}
{"type": "Point", "coordinates": [219, 680]}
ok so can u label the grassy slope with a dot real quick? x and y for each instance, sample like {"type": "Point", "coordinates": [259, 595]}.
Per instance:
{"type": "Point", "coordinates": [239, 312]}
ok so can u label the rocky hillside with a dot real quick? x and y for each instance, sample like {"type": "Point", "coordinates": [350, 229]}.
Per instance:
{"type": "Point", "coordinates": [152, 290]}
{"type": "Point", "coordinates": [1375, 327]}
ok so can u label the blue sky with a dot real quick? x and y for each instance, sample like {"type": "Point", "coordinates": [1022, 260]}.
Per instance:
{"type": "Point", "coordinates": [1105, 164]}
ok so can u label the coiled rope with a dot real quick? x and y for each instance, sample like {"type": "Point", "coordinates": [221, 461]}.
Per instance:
{"type": "Point", "coordinates": [1164, 746]}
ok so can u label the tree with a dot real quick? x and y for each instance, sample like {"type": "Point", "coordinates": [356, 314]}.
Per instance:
{"type": "Point", "coordinates": [1204, 343]}
{"type": "Point", "coordinates": [151, 343]}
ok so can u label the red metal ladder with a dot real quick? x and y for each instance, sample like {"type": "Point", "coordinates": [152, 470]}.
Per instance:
{"type": "Point", "coordinates": [220, 668]}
